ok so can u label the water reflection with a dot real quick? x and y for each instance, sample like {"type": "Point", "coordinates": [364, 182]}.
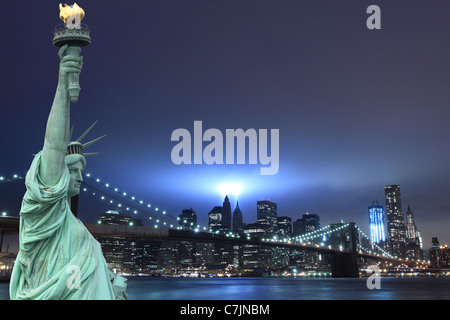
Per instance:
{"type": "Point", "coordinates": [280, 289]}
{"type": "Point", "coordinates": [286, 289]}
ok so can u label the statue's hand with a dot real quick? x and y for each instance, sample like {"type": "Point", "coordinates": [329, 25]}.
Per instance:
{"type": "Point", "coordinates": [69, 64]}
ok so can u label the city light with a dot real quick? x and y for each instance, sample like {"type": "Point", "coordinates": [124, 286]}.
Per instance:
{"type": "Point", "coordinates": [320, 235]}
{"type": "Point", "coordinates": [230, 188]}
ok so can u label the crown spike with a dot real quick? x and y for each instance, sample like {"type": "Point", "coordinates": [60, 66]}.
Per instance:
{"type": "Point", "coordinates": [86, 132]}
{"type": "Point", "coordinates": [71, 131]}
{"type": "Point", "coordinates": [92, 141]}
{"type": "Point", "coordinates": [89, 154]}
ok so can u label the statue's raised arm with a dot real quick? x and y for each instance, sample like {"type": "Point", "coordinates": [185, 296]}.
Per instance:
{"type": "Point", "coordinates": [58, 258]}
{"type": "Point", "coordinates": [57, 131]}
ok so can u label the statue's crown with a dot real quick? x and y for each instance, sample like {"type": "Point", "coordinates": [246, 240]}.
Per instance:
{"type": "Point", "coordinates": [76, 147]}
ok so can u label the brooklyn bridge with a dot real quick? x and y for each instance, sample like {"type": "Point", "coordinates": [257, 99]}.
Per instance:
{"type": "Point", "coordinates": [340, 249]}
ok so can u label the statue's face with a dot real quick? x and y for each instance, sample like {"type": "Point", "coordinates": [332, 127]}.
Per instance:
{"type": "Point", "coordinates": [76, 178]}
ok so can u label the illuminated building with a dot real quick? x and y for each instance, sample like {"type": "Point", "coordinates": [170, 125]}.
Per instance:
{"type": "Point", "coordinates": [187, 219]}
{"type": "Point", "coordinates": [444, 256]}
{"type": "Point", "coordinates": [308, 223]}
{"type": "Point", "coordinates": [267, 214]}
{"type": "Point", "coordinates": [434, 252]}
{"type": "Point", "coordinates": [311, 222]}
{"type": "Point", "coordinates": [238, 223]}
{"type": "Point", "coordinates": [284, 226]}
{"type": "Point", "coordinates": [279, 255]}
{"type": "Point", "coordinates": [215, 219]}
{"type": "Point", "coordinates": [121, 254]}
{"type": "Point", "coordinates": [186, 252]}
{"type": "Point", "coordinates": [413, 238]}
{"type": "Point", "coordinates": [439, 255]}
{"type": "Point", "coordinates": [113, 217]}
{"type": "Point", "coordinates": [376, 223]}
{"type": "Point", "coordinates": [259, 230]}
{"type": "Point", "coordinates": [167, 258]}
{"type": "Point", "coordinates": [410, 226]}
{"type": "Point", "coordinates": [141, 255]}
{"type": "Point", "coordinates": [395, 221]}
{"type": "Point", "coordinates": [256, 256]}
{"type": "Point", "coordinates": [205, 253]}
{"type": "Point", "coordinates": [226, 214]}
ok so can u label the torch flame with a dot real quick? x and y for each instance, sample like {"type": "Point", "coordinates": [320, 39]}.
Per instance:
{"type": "Point", "coordinates": [68, 11]}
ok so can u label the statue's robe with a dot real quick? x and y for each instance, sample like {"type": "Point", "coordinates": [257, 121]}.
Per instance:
{"type": "Point", "coordinates": [58, 258]}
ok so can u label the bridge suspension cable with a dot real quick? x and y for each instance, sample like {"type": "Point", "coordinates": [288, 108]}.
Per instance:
{"type": "Point", "coordinates": [374, 245]}
{"type": "Point", "coordinates": [123, 197]}
{"type": "Point", "coordinates": [140, 206]}
{"type": "Point", "coordinates": [165, 220]}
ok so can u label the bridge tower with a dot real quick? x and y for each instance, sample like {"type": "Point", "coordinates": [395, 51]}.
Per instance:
{"type": "Point", "coordinates": [344, 236]}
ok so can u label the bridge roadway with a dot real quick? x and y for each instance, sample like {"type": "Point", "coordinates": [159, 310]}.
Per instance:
{"type": "Point", "coordinates": [10, 226]}
{"type": "Point", "coordinates": [344, 262]}
{"type": "Point", "coordinates": [99, 230]}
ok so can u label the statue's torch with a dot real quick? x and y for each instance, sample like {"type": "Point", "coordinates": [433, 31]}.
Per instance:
{"type": "Point", "coordinates": [76, 35]}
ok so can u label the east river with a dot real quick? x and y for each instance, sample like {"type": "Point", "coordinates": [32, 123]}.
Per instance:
{"type": "Point", "coordinates": [147, 288]}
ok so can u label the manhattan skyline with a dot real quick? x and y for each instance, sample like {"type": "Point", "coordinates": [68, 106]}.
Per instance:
{"type": "Point", "coordinates": [356, 109]}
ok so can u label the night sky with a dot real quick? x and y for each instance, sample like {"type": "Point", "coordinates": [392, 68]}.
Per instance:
{"type": "Point", "coordinates": [357, 109]}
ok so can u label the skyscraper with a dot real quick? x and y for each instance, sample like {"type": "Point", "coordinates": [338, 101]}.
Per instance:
{"type": "Point", "coordinates": [256, 256]}
{"type": "Point", "coordinates": [226, 214]}
{"type": "Point", "coordinates": [376, 223]}
{"type": "Point", "coordinates": [311, 222]}
{"type": "Point", "coordinates": [411, 231]}
{"type": "Point", "coordinates": [267, 214]}
{"type": "Point", "coordinates": [413, 237]}
{"type": "Point", "coordinates": [439, 255]}
{"type": "Point", "coordinates": [215, 219]}
{"type": "Point", "coordinates": [238, 223]}
{"type": "Point", "coordinates": [187, 219]}
{"type": "Point", "coordinates": [124, 254]}
{"type": "Point", "coordinates": [113, 217]}
{"type": "Point", "coordinates": [298, 227]}
{"type": "Point", "coordinates": [395, 220]}
{"type": "Point", "coordinates": [284, 226]}
{"type": "Point", "coordinates": [434, 242]}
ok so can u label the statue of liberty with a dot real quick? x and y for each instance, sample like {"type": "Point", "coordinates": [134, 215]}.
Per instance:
{"type": "Point", "coordinates": [58, 258]}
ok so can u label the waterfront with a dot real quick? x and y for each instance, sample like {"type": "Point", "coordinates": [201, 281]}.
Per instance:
{"type": "Point", "coordinates": [281, 289]}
